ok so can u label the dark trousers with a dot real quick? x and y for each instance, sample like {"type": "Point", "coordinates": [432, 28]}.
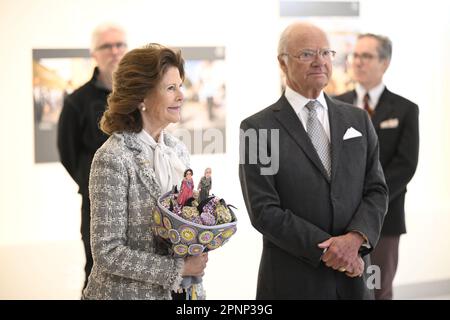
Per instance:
{"type": "Point", "coordinates": [385, 255]}
{"type": "Point", "coordinates": [178, 295]}
{"type": "Point", "coordinates": [86, 236]}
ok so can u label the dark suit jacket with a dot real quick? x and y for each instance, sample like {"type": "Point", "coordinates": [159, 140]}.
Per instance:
{"type": "Point", "coordinates": [297, 208]}
{"type": "Point", "coordinates": [399, 151]}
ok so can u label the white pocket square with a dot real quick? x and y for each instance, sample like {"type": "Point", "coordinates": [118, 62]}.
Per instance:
{"type": "Point", "coordinates": [351, 133]}
{"type": "Point", "coordinates": [389, 123]}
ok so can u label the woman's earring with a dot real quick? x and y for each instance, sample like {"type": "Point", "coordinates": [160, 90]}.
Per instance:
{"type": "Point", "coordinates": [143, 108]}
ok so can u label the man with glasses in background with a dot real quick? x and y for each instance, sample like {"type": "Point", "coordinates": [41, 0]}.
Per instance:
{"type": "Point", "coordinates": [79, 135]}
{"type": "Point", "coordinates": [321, 212]}
{"type": "Point", "coordinates": [396, 122]}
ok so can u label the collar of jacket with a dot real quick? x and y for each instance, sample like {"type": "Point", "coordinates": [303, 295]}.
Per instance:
{"type": "Point", "coordinates": [141, 162]}
{"type": "Point", "coordinates": [96, 81]}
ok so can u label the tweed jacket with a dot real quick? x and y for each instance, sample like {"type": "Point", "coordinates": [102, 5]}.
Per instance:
{"type": "Point", "coordinates": [129, 262]}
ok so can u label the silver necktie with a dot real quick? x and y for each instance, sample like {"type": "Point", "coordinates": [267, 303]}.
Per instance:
{"type": "Point", "coordinates": [318, 136]}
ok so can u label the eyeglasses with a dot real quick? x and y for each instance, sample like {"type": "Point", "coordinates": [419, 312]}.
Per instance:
{"type": "Point", "coordinates": [364, 57]}
{"type": "Point", "coordinates": [110, 46]}
{"type": "Point", "coordinates": [309, 55]}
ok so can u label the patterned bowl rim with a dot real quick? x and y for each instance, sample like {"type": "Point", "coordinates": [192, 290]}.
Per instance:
{"type": "Point", "coordinates": [201, 226]}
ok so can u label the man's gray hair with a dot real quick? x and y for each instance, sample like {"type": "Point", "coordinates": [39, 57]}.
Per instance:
{"type": "Point", "coordinates": [100, 29]}
{"type": "Point", "coordinates": [282, 43]}
{"type": "Point", "coordinates": [384, 48]}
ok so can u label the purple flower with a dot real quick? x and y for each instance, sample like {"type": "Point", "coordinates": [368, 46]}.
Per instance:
{"type": "Point", "coordinates": [208, 219]}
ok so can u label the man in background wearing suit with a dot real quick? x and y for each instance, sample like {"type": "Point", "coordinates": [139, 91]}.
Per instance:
{"type": "Point", "coordinates": [79, 135]}
{"type": "Point", "coordinates": [321, 211]}
{"type": "Point", "coordinates": [396, 122]}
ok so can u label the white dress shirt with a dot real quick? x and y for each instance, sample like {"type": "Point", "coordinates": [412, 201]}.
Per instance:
{"type": "Point", "coordinates": [298, 103]}
{"type": "Point", "coordinates": [374, 95]}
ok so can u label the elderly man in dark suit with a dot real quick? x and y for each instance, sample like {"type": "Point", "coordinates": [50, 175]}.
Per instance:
{"type": "Point", "coordinates": [320, 210]}
{"type": "Point", "coordinates": [396, 121]}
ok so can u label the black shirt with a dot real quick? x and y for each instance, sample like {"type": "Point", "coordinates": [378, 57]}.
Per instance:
{"type": "Point", "coordinates": [79, 135]}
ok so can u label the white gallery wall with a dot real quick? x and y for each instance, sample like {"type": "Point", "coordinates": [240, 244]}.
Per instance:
{"type": "Point", "coordinates": [41, 255]}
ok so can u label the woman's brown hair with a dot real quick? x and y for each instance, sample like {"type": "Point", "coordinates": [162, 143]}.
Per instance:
{"type": "Point", "coordinates": [139, 72]}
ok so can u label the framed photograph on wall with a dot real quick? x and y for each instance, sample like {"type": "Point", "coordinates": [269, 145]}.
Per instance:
{"type": "Point", "coordinates": [203, 116]}
{"type": "Point", "coordinates": [56, 73]}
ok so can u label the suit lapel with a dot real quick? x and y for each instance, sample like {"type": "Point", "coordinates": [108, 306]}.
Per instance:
{"type": "Point", "coordinates": [383, 109]}
{"type": "Point", "coordinates": [337, 131]}
{"type": "Point", "coordinates": [285, 115]}
{"type": "Point", "coordinates": [143, 164]}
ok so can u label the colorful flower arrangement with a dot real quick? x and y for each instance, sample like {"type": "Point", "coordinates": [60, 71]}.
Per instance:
{"type": "Point", "coordinates": [193, 228]}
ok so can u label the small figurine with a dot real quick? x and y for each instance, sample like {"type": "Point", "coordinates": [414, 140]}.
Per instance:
{"type": "Point", "coordinates": [187, 187]}
{"type": "Point", "coordinates": [205, 185]}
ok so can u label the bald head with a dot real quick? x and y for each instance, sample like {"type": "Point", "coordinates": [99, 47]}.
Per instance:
{"type": "Point", "coordinates": [297, 33]}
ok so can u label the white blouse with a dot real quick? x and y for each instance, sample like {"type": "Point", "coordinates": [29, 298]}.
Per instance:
{"type": "Point", "coordinates": [169, 169]}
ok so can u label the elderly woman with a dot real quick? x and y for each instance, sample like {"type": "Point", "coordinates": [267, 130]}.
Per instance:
{"type": "Point", "coordinates": [138, 163]}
